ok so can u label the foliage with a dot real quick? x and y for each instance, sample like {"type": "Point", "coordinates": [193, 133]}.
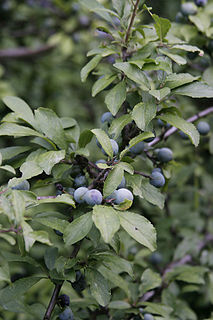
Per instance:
{"type": "Point", "coordinates": [82, 211]}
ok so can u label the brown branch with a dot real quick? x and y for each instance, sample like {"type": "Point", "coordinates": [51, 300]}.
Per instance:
{"type": "Point", "coordinates": [23, 52]}
{"type": "Point", "coordinates": [172, 130]}
{"type": "Point", "coordinates": [126, 39]}
{"type": "Point", "coordinates": [131, 21]}
{"type": "Point", "coordinates": [58, 287]}
{"type": "Point", "coordinates": [142, 174]}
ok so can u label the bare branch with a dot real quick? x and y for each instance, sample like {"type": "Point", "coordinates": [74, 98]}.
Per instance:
{"type": "Point", "coordinates": [23, 52]}
{"type": "Point", "coordinates": [172, 130]}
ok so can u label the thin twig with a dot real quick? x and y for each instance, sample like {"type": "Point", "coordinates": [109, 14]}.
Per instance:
{"type": "Point", "coordinates": [142, 174]}
{"type": "Point", "coordinates": [24, 52]}
{"type": "Point", "coordinates": [10, 230]}
{"type": "Point", "coordinates": [128, 32]}
{"type": "Point", "coordinates": [58, 287]}
{"type": "Point", "coordinates": [172, 130]}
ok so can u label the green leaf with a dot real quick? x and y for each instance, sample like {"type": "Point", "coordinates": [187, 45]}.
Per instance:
{"type": "Point", "coordinates": [178, 79]}
{"type": "Point", "coordinates": [96, 7]}
{"type": "Point", "coordinates": [143, 113]}
{"type": "Point", "coordinates": [162, 26]}
{"type": "Point", "coordinates": [85, 138]}
{"type": "Point", "coordinates": [78, 229]}
{"type": "Point", "coordinates": [8, 168]}
{"type": "Point", "coordinates": [30, 169]}
{"type": "Point", "coordinates": [195, 90]}
{"type": "Point", "coordinates": [160, 94]}
{"type": "Point", "coordinates": [114, 262]}
{"type": "Point", "coordinates": [53, 222]}
{"type": "Point", "coordinates": [113, 180]}
{"type": "Point", "coordinates": [175, 57]}
{"type": "Point", "coordinates": [152, 194]}
{"type": "Point", "coordinates": [50, 124]}
{"type": "Point", "coordinates": [126, 167]}
{"type": "Point", "coordinates": [118, 124]}
{"type": "Point", "coordinates": [136, 140]}
{"type": "Point", "coordinates": [18, 203]}
{"type": "Point", "coordinates": [64, 198]}
{"type": "Point", "coordinates": [104, 141]}
{"type": "Point", "coordinates": [159, 308]}
{"type": "Point", "coordinates": [48, 159]}
{"type": "Point", "coordinates": [5, 273]}
{"type": "Point", "coordinates": [10, 152]}
{"type": "Point", "coordinates": [104, 52]}
{"type": "Point", "coordinates": [115, 279]}
{"type": "Point", "coordinates": [135, 182]}
{"type": "Point", "coordinates": [134, 74]}
{"type": "Point", "coordinates": [139, 228]}
{"type": "Point", "coordinates": [89, 67]}
{"type": "Point", "coordinates": [189, 274]}
{"type": "Point", "coordinates": [50, 257]}
{"type": "Point", "coordinates": [119, 305]}
{"type": "Point", "coordinates": [98, 286]}
{"type": "Point", "coordinates": [17, 289]}
{"type": "Point", "coordinates": [107, 221]}
{"type": "Point", "coordinates": [21, 108]}
{"type": "Point", "coordinates": [101, 84]}
{"type": "Point", "coordinates": [149, 281]}
{"type": "Point", "coordinates": [118, 5]}
{"type": "Point", "coordinates": [187, 127]}
{"type": "Point", "coordinates": [187, 47]}
{"type": "Point", "coordinates": [12, 129]}
{"type": "Point", "coordinates": [115, 97]}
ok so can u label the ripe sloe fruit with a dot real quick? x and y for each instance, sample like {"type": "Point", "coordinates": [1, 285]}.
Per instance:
{"type": "Point", "coordinates": [203, 128]}
{"type": "Point", "coordinates": [79, 194]}
{"type": "Point", "coordinates": [165, 155]}
{"type": "Point", "coordinates": [157, 179]}
{"type": "Point", "coordinates": [155, 258]}
{"type": "Point", "coordinates": [80, 283]}
{"type": "Point", "coordinates": [188, 8]}
{"type": "Point", "coordinates": [93, 197]}
{"type": "Point", "coordinates": [80, 181]}
{"type": "Point", "coordinates": [123, 194]}
{"type": "Point", "coordinates": [148, 316]}
{"type": "Point", "coordinates": [157, 170]}
{"type": "Point", "coordinates": [66, 314]}
{"type": "Point", "coordinates": [106, 117]}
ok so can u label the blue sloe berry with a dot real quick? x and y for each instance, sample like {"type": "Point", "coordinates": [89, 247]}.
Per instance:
{"type": "Point", "coordinates": [188, 8]}
{"type": "Point", "coordinates": [148, 316]}
{"type": "Point", "coordinates": [157, 179]}
{"type": "Point", "coordinates": [93, 197]}
{"type": "Point", "coordinates": [203, 128]}
{"type": "Point", "coordinates": [157, 170]}
{"type": "Point", "coordinates": [79, 194]}
{"type": "Point", "coordinates": [165, 155]}
{"type": "Point", "coordinates": [80, 181]}
{"type": "Point", "coordinates": [155, 258]}
{"type": "Point", "coordinates": [106, 117]}
{"type": "Point", "coordinates": [123, 194]}
{"type": "Point", "coordinates": [66, 314]}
